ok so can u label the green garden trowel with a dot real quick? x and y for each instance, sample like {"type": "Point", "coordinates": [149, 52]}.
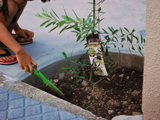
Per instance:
{"type": "Point", "coordinates": [38, 74]}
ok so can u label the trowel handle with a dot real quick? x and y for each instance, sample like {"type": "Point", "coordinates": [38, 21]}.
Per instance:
{"type": "Point", "coordinates": [38, 74]}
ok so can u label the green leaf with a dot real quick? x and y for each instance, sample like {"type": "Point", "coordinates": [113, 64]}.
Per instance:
{"type": "Point", "coordinates": [142, 40]}
{"type": "Point", "coordinates": [78, 38]}
{"type": "Point", "coordinates": [53, 29]}
{"type": "Point", "coordinates": [115, 31]}
{"type": "Point", "coordinates": [71, 54]}
{"type": "Point", "coordinates": [121, 45]}
{"type": "Point", "coordinates": [43, 10]}
{"type": "Point", "coordinates": [133, 48]}
{"type": "Point", "coordinates": [65, 68]}
{"type": "Point", "coordinates": [55, 14]}
{"type": "Point", "coordinates": [67, 18]}
{"type": "Point", "coordinates": [77, 29]}
{"type": "Point", "coordinates": [46, 15]}
{"type": "Point", "coordinates": [63, 29]}
{"type": "Point", "coordinates": [114, 45]}
{"type": "Point", "coordinates": [129, 50]}
{"type": "Point", "coordinates": [116, 38]}
{"type": "Point", "coordinates": [45, 22]}
{"type": "Point", "coordinates": [106, 51]}
{"type": "Point", "coordinates": [126, 29]}
{"type": "Point", "coordinates": [105, 31]}
{"type": "Point", "coordinates": [140, 51]}
{"type": "Point", "coordinates": [99, 9]}
{"type": "Point", "coordinates": [107, 38]}
{"type": "Point", "coordinates": [123, 39]}
{"type": "Point", "coordinates": [136, 38]}
{"type": "Point", "coordinates": [132, 38]}
{"type": "Point", "coordinates": [77, 16]}
{"type": "Point", "coordinates": [121, 31]}
{"type": "Point", "coordinates": [75, 32]}
{"type": "Point", "coordinates": [133, 31]}
{"type": "Point", "coordinates": [65, 55]}
{"type": "Point", "coordinates": [60, 23]}
{"type": "Point", "coordinates": [110, 29]}
{"type": "Point", "coordinates": [38, 15]}
{"type": "Point", "coordinates": [77, 80]}
{"type": "Point", "coordinates": [51, 23]}
{"type": "Point", "coordinates": [89, 16]}
{"type": "Point", "coordinates": [81, 77]}
{"type": "Point", "coordinates": [128, 39]}
{"type": "Point", "coordinates": [70, 27]}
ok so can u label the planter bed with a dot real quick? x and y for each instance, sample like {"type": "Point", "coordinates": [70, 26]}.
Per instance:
{"type": "Point", "coordinates": [126, 83]}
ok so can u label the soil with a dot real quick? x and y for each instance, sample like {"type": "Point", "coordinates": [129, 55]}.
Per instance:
{"type": "Point", "coordinates": [117, 94]}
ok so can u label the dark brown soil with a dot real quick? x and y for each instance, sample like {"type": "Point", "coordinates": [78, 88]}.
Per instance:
{"type": "Point", "coordinates": [121, 95]}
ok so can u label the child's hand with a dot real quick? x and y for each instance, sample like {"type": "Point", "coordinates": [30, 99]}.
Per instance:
{"type": "Point", "coordinates": [25, 61]}
{"type": "Point", "coordinates": [28, 35]}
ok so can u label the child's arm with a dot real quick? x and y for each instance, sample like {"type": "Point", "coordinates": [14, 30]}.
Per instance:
{"type": "Point", "coordinates": [24, 59]}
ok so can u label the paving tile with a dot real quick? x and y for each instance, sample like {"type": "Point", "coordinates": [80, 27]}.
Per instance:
{"type": "Point", "coordinates": [16, 103]}
{"type": "Point", "coordinates": [3, 115]}
{"type": "Point", "coordinates": [30, 102]}
{"type": "Point", "coordinates": [47, 108]}
{"type": "Point", "coordinates": [33, 110]}
{"type": "Point", "coordinates": [38, 117]}
{"type": "Point", "coordinates": [66, 115]}
{"type": "Point", "coordinates": [3, 106]}
{"type": "Point", "coordinates": [2, 90]}
{"type": "Point", "coordinates": [3, 97]}
{"type": "Point", "coordinates": [51, 116]}
{"type": "Point", "coordinates": [16, 113]}
{"type": "Point", "coordinates": [13, 95]}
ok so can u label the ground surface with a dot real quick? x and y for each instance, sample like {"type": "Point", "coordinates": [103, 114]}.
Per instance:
{"type": "Point", "coordinates": [122, 95]}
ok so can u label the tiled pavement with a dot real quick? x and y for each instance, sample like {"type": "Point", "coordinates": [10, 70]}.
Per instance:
{"type": "Point", "coordinates": [14, 106]}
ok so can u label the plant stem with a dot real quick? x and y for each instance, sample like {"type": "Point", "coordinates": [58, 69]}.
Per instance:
{"type": "Point", "coordinates": [94, 13]}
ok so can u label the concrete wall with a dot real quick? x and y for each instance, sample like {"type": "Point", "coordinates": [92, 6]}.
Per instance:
{"type": "Point", "coordinates": [151, 85]}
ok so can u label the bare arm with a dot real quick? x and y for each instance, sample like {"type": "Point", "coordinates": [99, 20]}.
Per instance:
{"type": "Point", "coordinates": [24, 59]}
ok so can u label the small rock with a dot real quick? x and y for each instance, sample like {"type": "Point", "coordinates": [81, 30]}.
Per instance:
{"type": "Point", "coordinates": [125, 103]}
{"type": "Point", "coordinates": [127, 77]}
{"type": "Point", "coordinates": [133, 72]}
{"type": "Point", "coordinates": [121, 75]}
{"type": "Point", "coordinates": [135, 93]}
{"type": "Point", "coordinates": [110, 112]}
{"type": "Point", "coordinates": [55, 80]}
{"type": "Point", "coordinates": [113, 103]}
{"type": "Point", "coordinates": [114, 76]}
{"type": "Point", "coordinates": [88, 89]}
{"type": "Point", "coordinates": [72, 78]}
{"type": "Point", "coordinates": [89, 97]}
{"type": "Point", "coordinates": [84, 84]}
{"type": "Point", "coordinates": [61, 76]}
{"type": "Point", "coordinates": [122, 70]}
{"type": "Point", "coordinates": [136, 113]}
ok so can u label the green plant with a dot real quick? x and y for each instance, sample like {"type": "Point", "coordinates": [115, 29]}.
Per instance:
{"type": "Point", "coordinates": [83, 27]}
